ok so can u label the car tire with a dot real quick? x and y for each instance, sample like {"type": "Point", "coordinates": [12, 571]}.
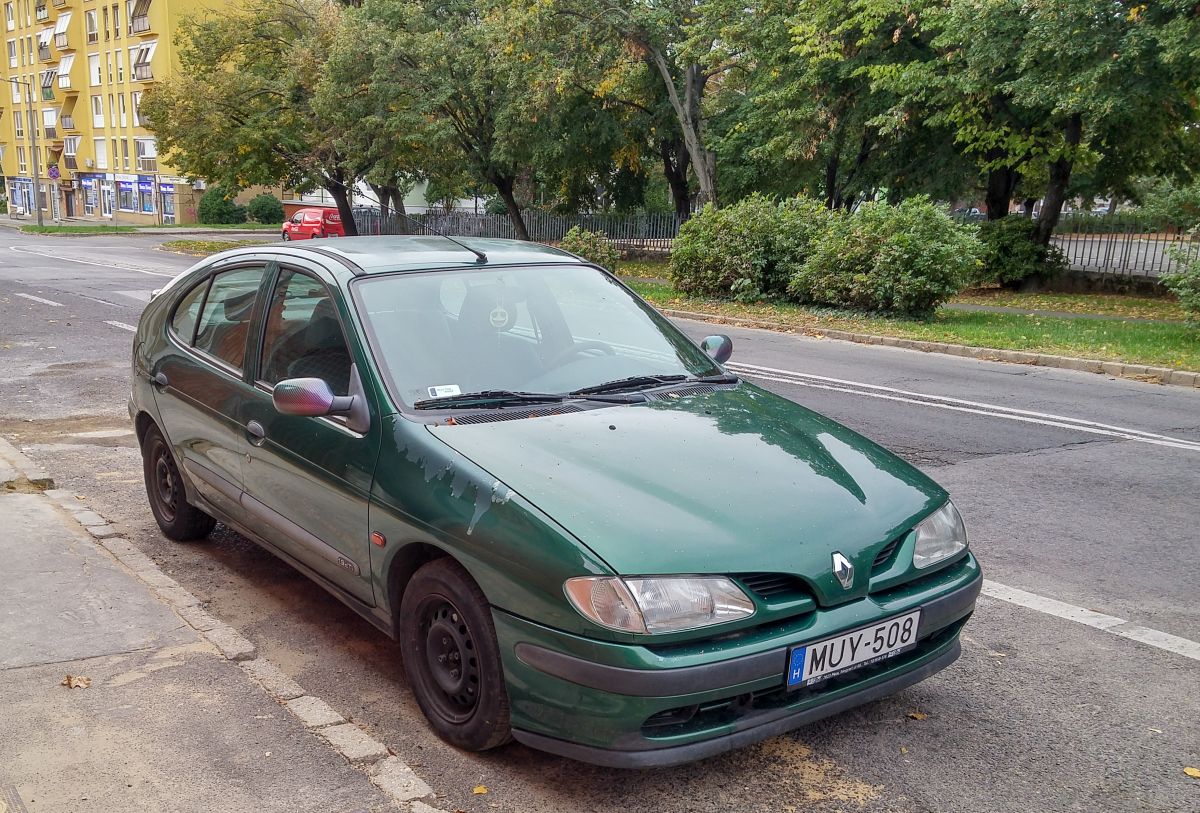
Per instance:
{"type": "Point", "coordinates": [286, 236]}
{"type": "Point", "coordinates": [178, 519]}
{"type": "Point", "coordinates": [451, 657]}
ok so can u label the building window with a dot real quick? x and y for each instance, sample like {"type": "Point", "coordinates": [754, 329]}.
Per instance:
{"type": "Point", "coordinates": [120, 55]}
{"type": "Point", "coordinates": [101, 153]}
{"type": "Point", "coordinates": [12, 53]}
{"type": "Point", "coordinates": [116, 164]}
{"type": "Point", "coordinates": [147, 154]}
{"type": "Point", "coordinates": [121, 105]}
{"type": "Point", "coordinates": [139, 17]}
{"type": "Point", "coordinates": [135, 101]}
{"type": "Point", "coordinates": [105, 10]}
{"type": "Point", "coordinates": [97, 111]}
{"type": "Point", "coordinates": [22, 164]}
{"type": "Point", "coordinates": [60, 30]}
{"type": "Point", "coordinates": [116, 21]}
{"type": "Point", "coordinates": [71, 152]}
{"type": "Point", "coordinates": [64, 70]}
{"type": "Point", "coordinates": [141, 61]}
{"type": "Point", "coordinates": [108, 65]}
{"type": "Point", "coordinates": [19, 123]}
{"type": "Point", "coordinates": [9, 19]}
{"type": "Point", "coordinates": [94, 70]}
{"type": "Point", "coordinates": [112, 112]}
{"type": "Point", "coordinates": [126, 196]}
{"type": "Point", "coordinates": [93, 27]}
{"type": "Point", "coordinates": [146, 197]}
{"type": "Point", "coordinates": [125, 153]}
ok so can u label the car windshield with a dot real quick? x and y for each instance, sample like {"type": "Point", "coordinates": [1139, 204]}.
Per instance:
{"type": "Point", "coordinates": [543, 329]}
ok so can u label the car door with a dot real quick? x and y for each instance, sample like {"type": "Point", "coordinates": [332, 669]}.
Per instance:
{"type": "Point", "coordinates": [308, 480]}
{"type": "Point", "coordinates": [292, 226]}
{"type": "Point", "coordinates": [200, 381]}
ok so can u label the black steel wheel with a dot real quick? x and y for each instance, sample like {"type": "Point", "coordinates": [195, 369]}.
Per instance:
{"type": "Point", "coordinates": [451, 657]}
{"type": "Point", "coordinates": [178, 519]}
{"type": "Point", "coordinates": [286, 236]}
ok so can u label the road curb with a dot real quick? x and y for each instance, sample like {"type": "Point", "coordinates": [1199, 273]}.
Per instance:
{"type": "Point", "coordinates": [1137, 372]}
{"type": "Point", "coordinates": [394, 778]}
{"type": "Point", "coordinates": [19, 473]}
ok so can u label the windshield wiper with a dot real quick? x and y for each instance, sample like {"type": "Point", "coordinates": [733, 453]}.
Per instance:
{"type": "Point", "coordinates": [488, 398]}
{"type": "Point", "coordinates": [635, 382]}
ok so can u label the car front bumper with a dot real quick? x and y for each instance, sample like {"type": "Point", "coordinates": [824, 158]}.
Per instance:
{"type": "Point", "coordinates": [632, 707]}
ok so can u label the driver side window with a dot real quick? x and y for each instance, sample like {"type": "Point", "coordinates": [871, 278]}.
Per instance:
{"type": "Point", "coordinates": [304, 338]}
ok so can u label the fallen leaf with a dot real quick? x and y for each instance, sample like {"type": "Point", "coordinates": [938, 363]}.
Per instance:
{"type": "Point", "coordinates": [1194, 773]}
{"type": "Point", "coordinates": [918, 715]}
{"type": "Point", "coordinates": [76, 682]}
{"type": "Point", "coordinates": [479, 789]}
{"type": "Point", "coordinates": [903, 750]}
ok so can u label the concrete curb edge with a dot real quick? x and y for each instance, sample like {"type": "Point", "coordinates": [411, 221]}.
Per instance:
{"type": "Point", "coordinates": [1137, 372]}
{"type": "Point", "coordinates": [394, 778]}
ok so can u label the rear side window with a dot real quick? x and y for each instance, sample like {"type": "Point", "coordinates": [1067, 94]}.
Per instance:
{"type": "Point", "coordinates": [187, 311]}
{"type": "Point", "coordinates": [225, 321]}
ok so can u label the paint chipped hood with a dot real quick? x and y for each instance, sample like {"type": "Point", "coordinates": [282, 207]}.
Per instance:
{"type": "Point", "coordinates": [734, 481]}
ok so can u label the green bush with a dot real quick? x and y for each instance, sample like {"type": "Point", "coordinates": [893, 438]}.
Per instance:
{"type": "Point", "coordinates": [1184, 281]}
{"type": "Point", "coordinates": [747, 250]}
{"type": "Point", "coordinates": [593, 246]}
{"type": "Point", "coordinates": [904, 259]}
{"type": "Point", "coordinates": [265, 208]}
{"type": "Point", "coordinates": [216, 208]}
{"type": "Point", "coordinates": [1010, 257]}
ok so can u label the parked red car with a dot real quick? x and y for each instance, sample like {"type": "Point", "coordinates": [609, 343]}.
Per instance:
{"type": "Point", "coordinates": [307, 224]}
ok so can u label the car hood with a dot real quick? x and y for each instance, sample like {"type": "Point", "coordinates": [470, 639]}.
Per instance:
{"type": "Point", "coordinates": [733, 481]}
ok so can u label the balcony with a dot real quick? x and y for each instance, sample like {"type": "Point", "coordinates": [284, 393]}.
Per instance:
{"type": "Point", "coordinates": [70, 162]}
{"type": "Point", "coordinates": [60, 3]}
{"type": "Point", "coordinates": [44, 52]}
{"type": "Point", "coordinates": [62, 42]}
{"type": "Point", "coordinates": [47, 94]}
{"type": "Point", "coordinates": [41, 13]}
{"type": "Point", "coordinates": [143, 72]}
{"type": "Point", "coordinates": [68, 122]}
{"type": "Point", "coordinates": [51, 133]}
{"type": "Point", "coordinates": [147, 164]}
{"type": "Point", "coordinates": [93, 37]}
{"type": "Point", "coordinates": [139, 24]}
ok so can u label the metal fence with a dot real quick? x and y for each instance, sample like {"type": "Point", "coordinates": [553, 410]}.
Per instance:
{"type": "Point", "coordinates": [1114, 245]}
{"type": "Point", "coordinates": [650, 233]}
{"type": "Point", "coordinates": [1123, 246]}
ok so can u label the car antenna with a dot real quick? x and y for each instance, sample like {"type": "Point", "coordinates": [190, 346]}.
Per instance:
{"type": "Point", "coordinates": [479, 254]}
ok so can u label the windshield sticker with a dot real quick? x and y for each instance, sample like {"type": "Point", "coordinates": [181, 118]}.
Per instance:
{"type": "Point", "coordinates": [444, 391]}
{"type": "Point", "coordinates": [499, 317]}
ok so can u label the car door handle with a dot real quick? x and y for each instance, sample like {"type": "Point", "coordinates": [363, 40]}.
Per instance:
{"type": "Point", "coordinates": [258, 435]}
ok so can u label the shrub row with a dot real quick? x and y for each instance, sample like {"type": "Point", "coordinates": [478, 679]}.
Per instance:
{"type": "Point", "coordinates": [905, 259]}
{"type": "Point", "coordinates": [217, 208]}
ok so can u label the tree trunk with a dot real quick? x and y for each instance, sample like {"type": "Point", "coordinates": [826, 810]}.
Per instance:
{"type": "Point", "coordinates": [675, 168]}
{"type": "Point", "coordinates": [381, 195]}
{"type": "Point", "coordinates": [1027, 207]}
{"type": "Point", "coordinates": [1060, 176]}
{"type": "Point", "coordinates": [833, 196]}
{"type": "Point", "coordinates": [504, 186]}
{"type": "Point", "coordinates": [341, 196]}
{"type": "Point", "coordinates": [687, 112]}
{"type": "Point", "coordinates": [396, 198]}
{"type": "Point", "coordinates": [1001, 184]}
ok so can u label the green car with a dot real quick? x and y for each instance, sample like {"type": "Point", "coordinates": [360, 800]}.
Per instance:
{"type": "Point", "coordinates": [587, 535]}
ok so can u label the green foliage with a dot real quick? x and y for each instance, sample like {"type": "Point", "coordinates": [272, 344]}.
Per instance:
{"type": "Point", "coordinates": [747, 250]}
{"type": "Point", "coordinates": [904, 259]}
{"type": "Point", "coordinates": [1172, 204]}
{"type": "Point", "coordinates": [217, 207]}
{"type": "Point", "coordinates": [1010, 255]}
{"type": "Point", "coordinates": [593, 246]}
{"type": "Point", "coordinates": [265, 208]}
{"type": "Point", "coordinates": [1184, 281]}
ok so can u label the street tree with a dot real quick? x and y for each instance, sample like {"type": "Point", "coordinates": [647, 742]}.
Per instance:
{"type": "Point", "coordinates": [239, 111]}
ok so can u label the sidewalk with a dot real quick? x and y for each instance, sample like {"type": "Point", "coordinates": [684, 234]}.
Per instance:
{"type": "Point", "coordinates": [170, 718]}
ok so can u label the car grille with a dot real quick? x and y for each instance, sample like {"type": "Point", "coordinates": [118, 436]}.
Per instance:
{"type": "Point", "coordinates": [772, 587]}
{"type": "Point", "coordinates": [514, 415]}
{"type": "Point", "coordinates": [886, 552]}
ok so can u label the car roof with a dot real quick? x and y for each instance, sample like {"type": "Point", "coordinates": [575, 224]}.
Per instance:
{"type": "Point", "coordinates": [382, 254]}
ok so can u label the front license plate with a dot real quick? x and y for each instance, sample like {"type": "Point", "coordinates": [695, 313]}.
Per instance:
{"type": "Point", "coordinates": [822, 660]}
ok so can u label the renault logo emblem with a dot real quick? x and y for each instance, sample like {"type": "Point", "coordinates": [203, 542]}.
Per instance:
{"type": "Point", "coordinates": [843, 569]}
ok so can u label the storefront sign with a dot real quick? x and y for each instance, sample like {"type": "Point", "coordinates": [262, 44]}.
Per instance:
{"type": "Point", "coordinates": [146, 186]}
{"type": "Point", "coordinates": [167, 188]}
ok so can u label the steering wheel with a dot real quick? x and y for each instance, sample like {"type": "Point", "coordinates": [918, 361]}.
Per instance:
{"type": "Point", "coordinates": [580, 347]}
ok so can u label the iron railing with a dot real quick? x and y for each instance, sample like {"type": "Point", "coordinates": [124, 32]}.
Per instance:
{"type": "Point", "coordinates": [635, 232]}
{"type": "Point", "coordinates": [1123, 245]}
{"type": "Point", "coordinates": [139, 24]}
{"type": "Point", "coordinates": [61, 41]}
{"type": "Point", "coordinates": [143, 72]}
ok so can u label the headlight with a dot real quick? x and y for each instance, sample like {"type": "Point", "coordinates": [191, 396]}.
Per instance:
{"type": "Point", "coordinates": [661, 604]}
{"type": "Point", "coordinates": [939, 536]}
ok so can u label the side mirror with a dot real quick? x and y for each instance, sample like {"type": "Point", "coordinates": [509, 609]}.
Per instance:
{"type": "Point", "coordinates": [308, 398]}
{"type": "Point", "coordinates": [718, 348]}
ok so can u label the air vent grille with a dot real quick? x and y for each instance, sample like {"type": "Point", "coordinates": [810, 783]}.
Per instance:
{"type": "Point", "coordinates": [514, 414]}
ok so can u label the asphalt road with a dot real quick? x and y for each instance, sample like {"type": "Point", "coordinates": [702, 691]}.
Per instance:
{"type": "Point", "coordinates": [1075, 488]}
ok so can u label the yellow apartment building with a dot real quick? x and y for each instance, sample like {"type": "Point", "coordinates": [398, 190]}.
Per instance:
{"type": "Point", "coordinates": [75, 72]}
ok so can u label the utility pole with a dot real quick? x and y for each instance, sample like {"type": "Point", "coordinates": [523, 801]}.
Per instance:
{"type": "Point", "coordinates": [33, 131]}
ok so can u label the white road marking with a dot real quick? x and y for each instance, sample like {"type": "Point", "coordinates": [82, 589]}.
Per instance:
{"type": "Point", "coordinates": [121, 325]}
{"type": "Point", "coordinates": [140, 296]}
{"type": "Point", "coordinates": [960, 405]}
{"type": "Point", "coordinates": [122, 266]}
{"type": "Point", "coordinates": [1105, 623]}
{"type": "Point", "coordinates": [49, 302]}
